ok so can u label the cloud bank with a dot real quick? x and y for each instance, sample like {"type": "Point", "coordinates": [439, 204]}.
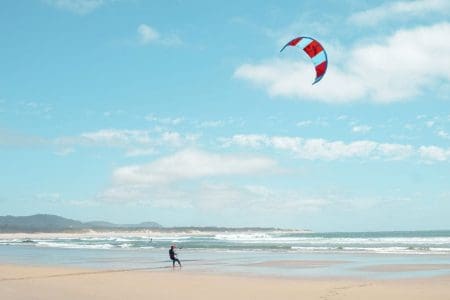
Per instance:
{"type": "Point", "coordinates": [400, 9]}
{"type": "Point", "coordinates": [134, 142]}
{"type": "Point", "coordinates": [322, 149]}
{"type": "Point", "coordinates": [191, 164]}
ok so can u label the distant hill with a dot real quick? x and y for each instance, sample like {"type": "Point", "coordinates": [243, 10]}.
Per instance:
{"type": "Point", "coordinates": [103, 224]}
{"type": "Point", "coordinates": [52, 223]}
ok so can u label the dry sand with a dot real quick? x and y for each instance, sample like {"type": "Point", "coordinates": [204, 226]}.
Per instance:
{"type": "Point", "coordinates": [19, 282]}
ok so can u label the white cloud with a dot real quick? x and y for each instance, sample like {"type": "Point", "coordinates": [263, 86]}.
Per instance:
{"type": "Point", "coordinates": [395, 151]}
{"type": "Point", "coordinates": [114, 137]}
{"type": "Point", "coordinates": [162, 183]}
{"type": "Point", "coordinates": [400, 9]}
{"type": "Point", "coordinates": [64, 151]}
{"type": "Point", "coordinates": [433, 153]}
{"type": "Point", "coordinates": [202, 180]}
{"type": "Point", "coordinates": [172, 138]}
{"type": "Point", "coordinates": [192, 164]}
{"type": "Point", "coordinates": [396, 68]}
{"type": "Point", "coordinates": [140, 152]}
{"type": "Point", "coordinates": [430, 124]}
{"type": "Point", "coordinates": [246, 140]}
{"type": "Point", "coordinates": [318, 122]}
{"type": "Point", "coordinates": [305, 123]}
{"type": "Point", "coordinates": [361, 129]}
{"type": "Point", "coordinates": [134, 142]}
{"type": "Point", "coordinates": [148, 35]}
{"type": "Point", "coordinates": [321, 149]}
{"type": "Point", "coordinates": [228, 122]}
{"type": "Point", "coordinates": [80, 7]}
{"type": "Point", "coordinates": [171, 39]}
{"type": "Point", "coordinates": [258, 198]}
{"type": "Point", "coordinates": [116, 112]}
{"type": "Point", "coordinates": [217, 197]}
{"type": "Point", "coordinates": [145, 195]}
{"type": "Point", "coordinates": [443, 134]}
{"type": "Point", "coordinates": [211, 124]}
{"type": "Point", "coordinates": [164, 121]}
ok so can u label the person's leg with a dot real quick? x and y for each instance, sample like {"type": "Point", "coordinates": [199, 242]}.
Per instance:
{"type": "Point", "coordinates": [179, 263]}
{"type": "Point", "coordinates": [173, 263]}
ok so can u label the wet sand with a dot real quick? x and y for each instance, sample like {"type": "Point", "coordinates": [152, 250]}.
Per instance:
{"type": "Point", "coordinates": [406, 267]}
{"type": "Point", "coordinates": [296, 264]}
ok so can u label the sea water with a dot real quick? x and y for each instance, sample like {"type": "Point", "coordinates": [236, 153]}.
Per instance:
{"type": "Point", "coordinates": [342, 254]}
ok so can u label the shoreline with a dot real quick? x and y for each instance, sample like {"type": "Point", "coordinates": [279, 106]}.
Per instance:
{"type": "Point", "coordinates": [20, 282]}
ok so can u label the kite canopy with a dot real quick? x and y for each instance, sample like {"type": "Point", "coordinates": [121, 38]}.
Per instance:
{"type": "Point", "coordinates": [315, 51]}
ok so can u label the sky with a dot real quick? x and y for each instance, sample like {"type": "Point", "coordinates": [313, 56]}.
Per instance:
{"type": "Point", "coordinates": [186, 113]}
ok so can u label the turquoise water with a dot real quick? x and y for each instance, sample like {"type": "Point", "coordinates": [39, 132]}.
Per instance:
{"type": "Point", "coordinates": [242, 252]}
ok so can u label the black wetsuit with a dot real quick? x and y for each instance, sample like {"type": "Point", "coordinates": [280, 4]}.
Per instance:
{"type": "Point", "coordinates": [173, 257]}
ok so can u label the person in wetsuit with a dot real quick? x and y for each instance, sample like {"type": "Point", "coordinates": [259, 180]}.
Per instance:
{"type": "Point", "coordinates": [173, 256]}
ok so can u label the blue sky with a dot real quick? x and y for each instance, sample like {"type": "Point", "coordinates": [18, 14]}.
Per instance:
{"type": "Point", "coordinates": [185, 113]}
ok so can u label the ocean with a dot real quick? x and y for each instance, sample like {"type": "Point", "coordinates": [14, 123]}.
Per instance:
{"type": "Point", "coordinates": [271, 252]}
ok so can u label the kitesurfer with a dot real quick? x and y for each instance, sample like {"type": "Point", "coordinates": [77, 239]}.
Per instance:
{"type": "Point", "coordinates": [173, 256]}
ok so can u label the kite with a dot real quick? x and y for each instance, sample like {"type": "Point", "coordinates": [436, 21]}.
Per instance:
{"type": "Point", "coordinates": [315, 51]}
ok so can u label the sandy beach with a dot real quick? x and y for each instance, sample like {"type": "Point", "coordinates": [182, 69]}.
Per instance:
{"type": "Point", "coordinates": [21, 282]}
